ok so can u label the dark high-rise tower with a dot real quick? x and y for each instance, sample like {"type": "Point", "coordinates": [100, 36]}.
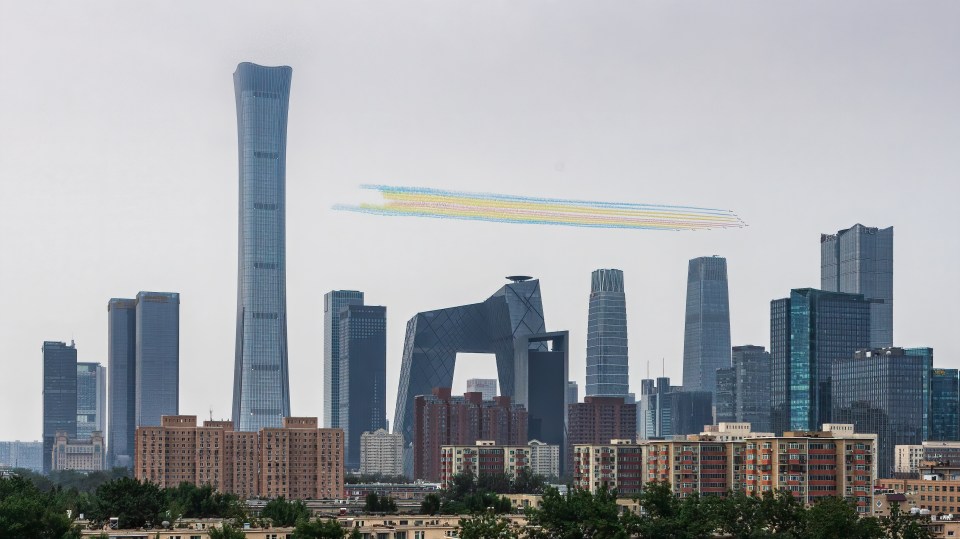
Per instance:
{"type": "Point", "coordinates": [859, 260]}
{"type": "Point", "coordinates": [808, 332]}
{"type": "Point", "coordinates": [607, 369]}
{"type": "Point", "coordinates": [59, 394]}
{"type": "Point", "coordinates": [122, 373]}
{"type": "Point", "coordinates": [261, 387]}
{"type": "Point", "coordinates": [158, 357]}
{"type": "Point", "coordinates": [334, 302]}
{"type": "Point", "coordinates": [944, 405]}
{"type": "Point", "coordinates": [363, 376]}
{"type": "Point", "coordinates": [706, 336]}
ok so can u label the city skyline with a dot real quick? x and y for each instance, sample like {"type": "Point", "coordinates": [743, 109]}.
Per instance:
{"type": "Point", "coordinates": [558, 129]}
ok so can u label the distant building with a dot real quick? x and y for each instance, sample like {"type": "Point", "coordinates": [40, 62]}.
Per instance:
{"type": "Point", "coordinates": [573, 393]}
{"type": "Point", "coordinates": [597, 420]}
{"type": "Point", "coordinates": [261, 380]}
{"type": "Point", "coordinates": [59, 395]}
{"type": "Point", "coordinates": [607, 368]}
{"type": "Point", "coordinates": [122, 375]}
{"type": "Point", "coordinates": [907, 459]}
{"type": "Point", "coordinates": [297, 460]}
{"type": "Point", "coordinates": [944, 405]}
{"type": "Point", "coordinates": [82, 455]}
{"type": "Point", "coordinates": [482, 458]}
{"type": "Point", "coordinates": [442, 419]}
{"type": "Point", "coordinates": [859, 260]}
{"type": "Point", "coordinates": [363, 375]}
{"type": "Point", "coordinates": [17, 454]}
{"type": "Point", "coordinates": [885, 392]}
{"type": "Point", "coordinates": [671, 411]}
{"type": "Point", "coordinates": [706, 336]}
{"type": "Point", "coordinates": [485, 386]}
{"type": "Point", "coordinates": [158, 357]}
{"type": "Point", "coordinates": [381, 453]}
{"type": "Point", "coordinates": [91, 399]}
{"type": "Point", "coordinates": [619, 465]}
{"type": "Point", "coordinates": [334, 302]}
{"type": "Point", "coordinates": [743, 390]}
{"type": "Point", "coordinates": [544, 459]}
{"type": "Point", "coordinates": [808, 332]}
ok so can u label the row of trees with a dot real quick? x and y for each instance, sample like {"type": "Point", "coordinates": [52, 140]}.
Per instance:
{"type": "Point", "coordinates": [467, 494]}
{"type": "Point", "coordinates": [580, 515]}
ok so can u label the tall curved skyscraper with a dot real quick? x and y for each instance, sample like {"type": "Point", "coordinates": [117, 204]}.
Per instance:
{"type": "Point", "coordinates": [607, 369]}
{"type": "Point", "coordinates": [706, 334]}
{"type": "Point", "coordinates": [261, 387]}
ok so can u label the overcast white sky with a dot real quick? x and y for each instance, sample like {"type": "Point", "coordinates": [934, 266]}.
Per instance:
{"type": "Point", "coordinates": [118, 165]}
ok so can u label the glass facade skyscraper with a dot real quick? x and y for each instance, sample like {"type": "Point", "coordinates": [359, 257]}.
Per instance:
{"type": "Point", "coordinates": [808, 332]}
{"type": "Point", "coordinates": [500, 326]}
{"type": "Point", "coordinates": [122, 373]}
{"type": "Point", "coordinates": [884, 392]}
{"type": "Point", "coordinates": [158, 357]}
{"type": "Point", "coordinates": [91, 399]}
{"type": "Point", "coordinates": [706, 335]}
{"type": "Point", "coordinates": [363, 376]}
{"type": "Point", "coordinates": [334, 302]}
{"type": "Point", "coordinates": [751, 366]}
{"type": "Point", "coordinates": [59, 395]}
{"type": "Point", "coordinates": [261, 387]}
{"type": "Point", "coordinates": [859, 260]}
{"type": "Point", "coordinates": [944, 405]}
{"type": "Point", "coordinates": [607, 368]}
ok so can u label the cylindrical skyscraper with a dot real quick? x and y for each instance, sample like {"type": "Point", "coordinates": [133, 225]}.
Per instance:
{"type": "Point", "coordinates": [706, 335]}
{"type": "Point", "coordinates": [261, 388]}
{"type": "Point", "coordinates": [607, 370]}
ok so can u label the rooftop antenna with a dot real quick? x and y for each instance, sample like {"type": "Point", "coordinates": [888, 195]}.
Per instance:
{"type": "Point", "coordinates": [663, 367]}
{"type": "Point", "coordinates": [648, 369]}
{"type": "Point", "coordinates": [211, 413]}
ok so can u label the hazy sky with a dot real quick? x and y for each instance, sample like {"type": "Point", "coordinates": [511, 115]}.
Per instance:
{"type": "Point", "coordinates": [118, 164]}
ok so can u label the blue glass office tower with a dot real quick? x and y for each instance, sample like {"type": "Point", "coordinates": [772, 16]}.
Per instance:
{"type": "Point", "coordinates": [157, 357]}
{"type": "Point", "coordinates": [91, 399]}
{"type": "Point", "coordinates": [859, 260]}
{"type": "Point", "coordinates": [122, 375]}
{"type": "Point", "coordinates": [363, 376]}
{"type": "Point", "coordinates": [808, 332]}
{"type": "Point", "coordinates": [261, 386]}
{"type": "Point", "coordinates": [59, 395]}
{"type": "Point", "coordinates": [607, 369]}
{"type": "Point", "coordinates": [944, 405]}
{"type": "Point", "coordinates": [884, 392]}
{"type": "Point", "coordinates": [334, 302]}
{"type": "Point", "coordinates": [706, 335]}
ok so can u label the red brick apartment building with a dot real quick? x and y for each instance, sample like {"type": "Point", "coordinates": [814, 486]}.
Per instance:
{"type": "Point", "coordinates": [297, 461]}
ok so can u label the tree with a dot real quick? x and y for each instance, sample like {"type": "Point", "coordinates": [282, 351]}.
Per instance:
{"type": "Point", "coordinates": [486, 525]}
{"type": "Point", "coordinates": [135, 504]}
{"type": "Point", "coordinates": [190, 501]}
{"type": "Point", "coordinates": [576, 515]}
{"type": "Point", "coordinates": [319, 529]}
{"type": "Point", "coordinates": [379, 504]}
{"type": "Point", "coordinates": [527, 482]}
{"type": "Point", "coordinates": [430, 504]}
{"type": "Point", "coordinates": [285, 513]}
{"type": "Point", "coordinates": [899, 525]}
{"type": "Point", "coordinates": [226, 532]}
{"type": "Point", "coordinates": [28, 513]}
{"type": "Point", "coordinates": [836, 518]}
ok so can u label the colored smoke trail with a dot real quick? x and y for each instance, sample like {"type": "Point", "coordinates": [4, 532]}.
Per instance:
{"type": "Point", "coordinates": [437, 203]}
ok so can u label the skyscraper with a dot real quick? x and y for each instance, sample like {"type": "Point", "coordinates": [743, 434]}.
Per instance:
{"type": "Point", "coordinates": [363, 376]}
{"type": "Point", "coordinates": [808, 332]}
{"type": "Point", "coordinates": [333, 302]}
{"type": "Point", "coordinates": [859, 260]}
{"type": "Point", "coordinates": [91, 399]}
{"type": "Point", "coordinates": [157, 357]}
{"type": "Point", "coordinates": [706, 335]}
{"type": "Point", "coordinates": [607, 369]}
{"type": "Point", "coordinates": [59, 395]}
{"type": "Point", "coordinates": [944, 405]}
{"type": "Point", "coordinates": [752, 404]}
{"type": "Point", "coordinates": [884, 392]}
{"type": "Point", "coordinates": [122, 373]}
{"type": "Point", "coordinates": [261, 387]}
{"type": "Point", "coordinates": [724, 407]}
{"type": "Point", "coordinates": [573, 393]}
